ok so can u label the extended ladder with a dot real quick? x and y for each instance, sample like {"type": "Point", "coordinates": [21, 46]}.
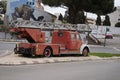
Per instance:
{"type": "Point", "coordinates": [50, 26]}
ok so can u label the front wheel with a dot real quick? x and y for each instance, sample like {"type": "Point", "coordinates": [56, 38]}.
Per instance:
{"type": "Point", "coordinates": [85, 52]}
{"type": "Point", "coordinates": [47, 52]}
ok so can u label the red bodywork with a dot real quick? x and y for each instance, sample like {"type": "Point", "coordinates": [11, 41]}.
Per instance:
{"type": "Point", "coordinates": [63, 42]}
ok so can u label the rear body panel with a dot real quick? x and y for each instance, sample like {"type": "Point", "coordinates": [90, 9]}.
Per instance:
{"type": "Point", "coordinates": [37, 48]}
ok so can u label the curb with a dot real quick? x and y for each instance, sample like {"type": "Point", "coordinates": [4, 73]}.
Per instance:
{"type": "Point", "coordinates": [15, 60]}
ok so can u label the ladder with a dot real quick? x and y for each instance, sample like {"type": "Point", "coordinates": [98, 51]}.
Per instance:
{"type": "Point", "coordinates": [49, 26]}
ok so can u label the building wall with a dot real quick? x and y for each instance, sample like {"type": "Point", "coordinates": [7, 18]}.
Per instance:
{"type": "Point", "coordinates": [91, 21]}
{"type": "Point", "coordinates": [115, 17]}
{"type": "Point", "coordinates": [32, 12]}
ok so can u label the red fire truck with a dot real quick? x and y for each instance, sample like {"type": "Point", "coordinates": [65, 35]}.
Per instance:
{"type": "Point", "coordinates": [64, 41]}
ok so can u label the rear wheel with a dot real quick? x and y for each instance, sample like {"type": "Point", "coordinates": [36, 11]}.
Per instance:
{"type": "Point", "coordinates": [47, 52]}
{"type": "Point", "coordinates": [15, 50]}
{"type": "Point", "coordinates": [85, 52]}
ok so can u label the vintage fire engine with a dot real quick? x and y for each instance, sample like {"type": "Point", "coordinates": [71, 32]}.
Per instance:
{"type": "Point", "coordinates": [65, 39]}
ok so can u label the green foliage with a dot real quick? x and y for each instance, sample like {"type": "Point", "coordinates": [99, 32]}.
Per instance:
{"type": "Point", "coordinates": [81, 18]}
{"type": "Point", "coordinates": [106, 22]}
{"type": "Point", "coordinates": [0, 17]}
{"type": "Point", "coordinates": [1, 22]}
{"type": "Point", "coordinates": [101, 7]}
{"type": "Point", "coordinates": [105, 55]}
{"type": "Point", "coordinates": [95, 6]}
{"type": "Point", "coordinates": [52, 2]}
{"type": "Point", "coordinates": [60, 17]}
{"type": "Point", "coordinates": [66, 16]}
{"type": "Point", "coordinates": [117, 24]}
{"type": "Point", "coordinates": [3, 5]}
{"type": "Point", "coordinates": [3, 28]}
{"type": "Point", "coordinates": [98, 21]}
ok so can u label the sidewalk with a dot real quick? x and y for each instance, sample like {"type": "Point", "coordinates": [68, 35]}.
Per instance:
{"type": "Point", "coordinates": [14, 60]}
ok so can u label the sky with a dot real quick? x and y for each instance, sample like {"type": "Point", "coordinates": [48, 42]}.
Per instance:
{"type": "Point", "coordinates": [117, 2]}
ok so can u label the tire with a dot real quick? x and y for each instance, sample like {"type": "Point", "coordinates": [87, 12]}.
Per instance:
{"type": "Point", "coordinates": [47, 52]}
{"type": "Point", "coordinates": [85, 52]}
{"type": "Point", "coordinates": [27, 55]}
{"type": "Point", "coordinates": [15, 51]}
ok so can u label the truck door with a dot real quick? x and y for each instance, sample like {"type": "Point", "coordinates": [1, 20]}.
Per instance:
{"type": "Point", "coordinates": [75, 41]}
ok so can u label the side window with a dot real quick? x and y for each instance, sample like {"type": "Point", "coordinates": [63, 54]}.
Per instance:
{"type": "Point", "coordinates": [78, 37]}
{"type": "Point", "coordinates": [60, 34]}
{"type": "Point", "coordinates": [73, 36]}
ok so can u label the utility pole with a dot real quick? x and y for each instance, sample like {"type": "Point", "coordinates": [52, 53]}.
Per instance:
{"type": "Point", "coordinates": [106, 30]}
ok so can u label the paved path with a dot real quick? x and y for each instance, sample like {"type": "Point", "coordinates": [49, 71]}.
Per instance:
{"type": "Point", "coordinates": [13, 59]}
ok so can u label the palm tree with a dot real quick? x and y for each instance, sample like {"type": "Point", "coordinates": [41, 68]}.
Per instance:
{"type": "Point", "coordinates": [0, 17]}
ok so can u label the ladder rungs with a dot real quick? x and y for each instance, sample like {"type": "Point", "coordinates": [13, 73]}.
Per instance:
{"type": "Point", "coordinates": [50, 26]}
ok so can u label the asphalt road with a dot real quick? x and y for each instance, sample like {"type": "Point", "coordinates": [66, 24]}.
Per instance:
{"type": "Point", "coordinates": [83, 70]}
{"type": "Point", "coordinates": [6, 48]}
{"type": "Point", "coordinates": [111, 46]}
{"type": "Point", "coordinates": [107, 49]}
{"type": "Point", "coordinates": [115, 42]}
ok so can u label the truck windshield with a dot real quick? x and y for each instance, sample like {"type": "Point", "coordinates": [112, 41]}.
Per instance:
{"type": "Point", "coordinates": [75, 36]}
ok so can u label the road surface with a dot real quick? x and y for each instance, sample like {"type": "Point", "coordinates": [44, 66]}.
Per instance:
{"type": "Point", "coordinates": [102, 49]}
{"type": "Point", "coordinates": [6, 48]}
{"type": "Point", "coordinates": [83, 70]}
{"type": "Point", "coordinates": [112, 46]}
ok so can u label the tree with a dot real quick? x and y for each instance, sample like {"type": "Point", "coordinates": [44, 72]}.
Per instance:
{"type": "Point", "coordinates": [117, 24]}
{"type": "Point", "coordinates": [106, 22]}
{"type": "Point", "coordinates": [81, 18]}
{"type": "Point", "coordinates": [0, 17]}
{"type": "Point", "coordinates": [1, 22]}
{"type": "Point", "coordinates": [101, 7]}
{"type": "Point", "coordinates": [60, 17]}
{"type": "Point", "coordinates": [66, 16]}
{"type": "Point", "coordinates": [98, 21]}
{"type": "Point", "coordinates": [3, 5]}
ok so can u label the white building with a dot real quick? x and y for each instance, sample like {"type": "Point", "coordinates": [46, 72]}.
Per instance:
{"type": "Point", "coordinates": [115, 16]}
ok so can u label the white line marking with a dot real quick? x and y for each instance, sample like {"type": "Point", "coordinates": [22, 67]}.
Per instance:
{"type": "Point", "coordinates": [116, 49]}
